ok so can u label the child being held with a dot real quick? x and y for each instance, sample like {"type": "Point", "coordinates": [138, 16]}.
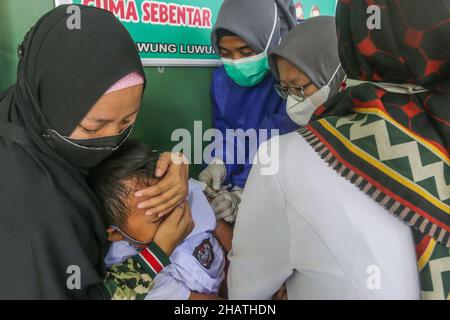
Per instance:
{"type": "Point", "coordinates": [197, 264]}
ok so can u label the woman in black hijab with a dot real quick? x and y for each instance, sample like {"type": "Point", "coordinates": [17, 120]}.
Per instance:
{"type": "Point", "coordinates": [52, 232]}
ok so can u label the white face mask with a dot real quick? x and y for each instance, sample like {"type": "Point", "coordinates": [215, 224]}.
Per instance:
{"type": "Point", "coordinates": [301, 112]}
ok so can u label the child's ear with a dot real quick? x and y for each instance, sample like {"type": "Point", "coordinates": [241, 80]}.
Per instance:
{"type": "Point", "coordinates": [114, 235]}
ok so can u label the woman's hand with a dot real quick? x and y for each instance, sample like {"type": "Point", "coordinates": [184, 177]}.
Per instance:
{"type": "Point", "coordinates": [177, 226]}
{"type": "Point", "coordinates": [171, 190]}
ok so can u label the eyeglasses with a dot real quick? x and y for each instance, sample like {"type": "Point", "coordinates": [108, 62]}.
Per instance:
{"type": "Point", "coordinates": [296, 92]}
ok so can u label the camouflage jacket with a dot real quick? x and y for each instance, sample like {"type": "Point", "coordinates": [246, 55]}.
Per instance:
{"type": "Point", "coordinates": [133, 279]}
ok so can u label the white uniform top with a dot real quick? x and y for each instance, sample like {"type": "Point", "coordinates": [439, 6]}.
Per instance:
{"type": "Point", "coordinates": [197, 264]}
{"type": "Point", "coordinates": [309, 227]}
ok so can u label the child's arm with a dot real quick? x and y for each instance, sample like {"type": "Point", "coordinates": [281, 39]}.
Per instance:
{"type": "Point", "coordinates": [132, 279]}
{"type": "Point", "coordinates": [224, 234]}
{"type": "Point", "coordinates": [203, 296]}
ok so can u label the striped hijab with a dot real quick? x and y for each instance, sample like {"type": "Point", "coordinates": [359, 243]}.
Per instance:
{"type": "Point", "coordinates": [395, 146]}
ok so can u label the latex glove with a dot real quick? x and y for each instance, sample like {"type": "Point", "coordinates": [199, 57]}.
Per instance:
{"type": "Point", "coordinates": [213, 176]}
{"type": "Point", "coordinates": [226, 204]}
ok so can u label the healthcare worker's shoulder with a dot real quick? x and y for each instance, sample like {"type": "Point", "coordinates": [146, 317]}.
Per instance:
{"type": "Point", "coordinates": [219, 74]}
{"type": "Point", "coordinates": [286, 144]}
{"type": "Point", "coordinates": [220, 71]}
{"type": "Point", "coordinates": [282, 153]}
{"type": "Point", "coordinates": [291, 139]}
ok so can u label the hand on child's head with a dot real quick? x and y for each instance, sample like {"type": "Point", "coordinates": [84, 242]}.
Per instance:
{"type": "Point", "coordinates": [173, 187]}
{"type": "Point", "coordinates": [116, 181]}
{"type": "Point", "coordinates": [138, 225]}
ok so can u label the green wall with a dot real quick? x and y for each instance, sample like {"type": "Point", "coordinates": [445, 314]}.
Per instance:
{"type": "Point", "coordinates": [174, 98]}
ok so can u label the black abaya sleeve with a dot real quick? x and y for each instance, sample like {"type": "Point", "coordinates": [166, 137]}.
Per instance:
{"type": "Point", "coordinates": [46, 238]}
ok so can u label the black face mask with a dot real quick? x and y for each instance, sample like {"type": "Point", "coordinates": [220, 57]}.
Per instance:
{"type": "Point", "coordinates": [86, 153]}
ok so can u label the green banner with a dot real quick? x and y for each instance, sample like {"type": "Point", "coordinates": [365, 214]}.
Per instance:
{"type": "Point", "coordinates": [167, 33]}
{"type": "Point", "coordinates": [310, 8]}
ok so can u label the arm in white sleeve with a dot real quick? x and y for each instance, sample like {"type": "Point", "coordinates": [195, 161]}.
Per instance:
{"type": "Point", "coordinates": [168, 288]}
{"type": "Point", "coordinates": [259, 260]}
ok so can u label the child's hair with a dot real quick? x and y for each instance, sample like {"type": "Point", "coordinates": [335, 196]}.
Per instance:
{"type": "Point", "coordinates": [132, 161]}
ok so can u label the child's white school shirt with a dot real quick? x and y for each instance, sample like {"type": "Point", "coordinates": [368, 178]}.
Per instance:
{"type": "Point", "coordinates": [197, 263]}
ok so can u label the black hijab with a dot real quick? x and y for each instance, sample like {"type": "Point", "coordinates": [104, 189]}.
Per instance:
{"type": "Point", "coordinates": [50, 220]}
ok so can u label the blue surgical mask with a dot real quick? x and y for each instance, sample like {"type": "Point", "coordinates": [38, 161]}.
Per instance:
{"type": "Point", "coordinates": [248, 72]}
